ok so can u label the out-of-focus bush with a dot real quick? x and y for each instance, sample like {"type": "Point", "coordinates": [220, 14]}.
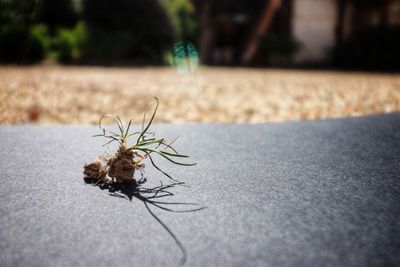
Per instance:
{"type": "Point", "coordinates": [18, 44]}
{"type": "Point", "coordinates": [53, 13]}
{"type": "Point", "coordinates": [27, 28]}
{"type": "Point", "coordinates": [18, 11]}
{"type": "Point", "coordinates": [282, 44]}
{"type": "Point", "coordinates": [374, 48]}
{"type": "Point", "coordinates": [71, 43]}
{"type": "Point", "coordinates": [123, 31]}
{"type": "Point", "coordinates": [40, 32]}
{"type": "Point", "coordinates": [94, 31]}
{"type": "Point", "coordinates": [277, 49]}
{"type": "Point", "coordinates": [183, 16]}
{"type": "Point", "coordinates": [56, 13]}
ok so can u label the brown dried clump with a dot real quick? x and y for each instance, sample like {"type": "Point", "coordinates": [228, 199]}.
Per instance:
{"type": "Point", "coordinates": [95, 171]}
{"type": "Point", "coordinates": [122, 167]}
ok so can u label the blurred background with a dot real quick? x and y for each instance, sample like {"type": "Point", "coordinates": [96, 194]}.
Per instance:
{"type": "Point", "coordinates": [230, 61]}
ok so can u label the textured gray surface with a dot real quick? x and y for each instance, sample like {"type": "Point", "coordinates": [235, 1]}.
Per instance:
{"type": "Point", "coordinates": [321, 193]}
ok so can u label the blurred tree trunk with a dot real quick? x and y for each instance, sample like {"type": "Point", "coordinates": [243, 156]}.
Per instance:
{"type": "Point", "coordinates": [207, 33]}
{"type": "Point", "coordinates": [341, 12]}
{"type": "Point", "coordinates": [262, 27]}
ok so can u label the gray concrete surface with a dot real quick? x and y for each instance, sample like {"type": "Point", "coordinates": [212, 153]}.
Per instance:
{"type": "Point", "coordinates": [323, 193]}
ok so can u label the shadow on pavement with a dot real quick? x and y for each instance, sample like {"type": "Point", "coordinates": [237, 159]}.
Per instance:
{"type": "Point", "coordinates": [151, 196]}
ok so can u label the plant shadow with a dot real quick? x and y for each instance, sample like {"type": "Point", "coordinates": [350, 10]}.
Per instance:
{"type": "Point", "coordinates": [151, 196]}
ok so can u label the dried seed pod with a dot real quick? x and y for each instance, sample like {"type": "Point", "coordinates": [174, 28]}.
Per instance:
{"type": "Point", "coordinates": [95, 171]}
{"type": "Point", "coordinates": [122, 167]}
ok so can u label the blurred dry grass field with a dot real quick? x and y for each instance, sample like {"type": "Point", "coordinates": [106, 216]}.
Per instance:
{"type": "Point", "coordinates": [79, 95]}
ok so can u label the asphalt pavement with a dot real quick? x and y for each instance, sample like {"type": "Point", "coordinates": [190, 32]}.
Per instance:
{"type": "Point", "coordinates": [314, 193]}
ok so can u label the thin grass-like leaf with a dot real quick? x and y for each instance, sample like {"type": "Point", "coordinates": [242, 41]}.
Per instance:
{"type": "Point", "coordinates": [151, 120]}
{"type": "Point", "coordinates": [109, 142]}
{"type": "Point", "coordinates": [150, 142]}
{"type": "Point", "coordinates": [132, 134]}
{"type": "Point", "coordinates": [127, 130]}
{"type": "Point", "coordinates": [166, 157]}
{"type": "Point", "coordinates": [170, 144]}
{"type": "Point", "coordinates": [158, 168]}
{"type": "Point", "coordinates": [120, 125]}
{"type": "Point", "coordinates": [170, 147]}
{"type": "Point", "coordinates": [173, 155]}
{"type": "Point", "coordinates": [103, 128]}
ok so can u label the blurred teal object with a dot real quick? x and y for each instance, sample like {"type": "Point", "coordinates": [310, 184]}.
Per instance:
{"type": "Point", "coordinates": [184, 57]}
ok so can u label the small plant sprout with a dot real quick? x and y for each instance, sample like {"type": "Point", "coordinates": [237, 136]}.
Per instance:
{"type": "Point", "coordinates": [116, 173]}
{"type": "Point", "coordinates": [131, 156]}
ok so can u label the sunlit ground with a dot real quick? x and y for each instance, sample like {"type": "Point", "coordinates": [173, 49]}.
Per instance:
{"type": "Point", "coordinates": [79, 95]}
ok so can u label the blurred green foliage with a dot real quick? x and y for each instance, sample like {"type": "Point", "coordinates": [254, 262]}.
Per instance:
{"type": "Point", "coordinates": [93, 31]}
{"type": "Point", "coordinates": [17, 11]}
{"type": "Point", "coordinates": [183, 17]}
{"type": "Point", "coordinates": [17, 43]}
{"type": "Point", "coordinates": [71, 43]}
{"type": "Point", "coordinates": [56, 13]}
{"type": "Point", "coordinates": [28, 28]}
{"type": "Point", "coordinates": [125, 31]}
{"type": "Point", "coordinates": [40, 32]}
{"type": "Point", "coordinates": [20, 44]}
